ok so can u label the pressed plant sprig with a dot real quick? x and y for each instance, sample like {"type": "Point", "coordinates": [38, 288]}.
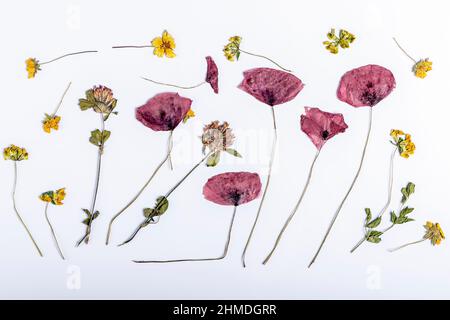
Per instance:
{"type": "Point", "coordinates": [55, 198]}
{"type": "Point", "coordinates": [433, 232]}
{"type": "Point", "coordinates": [216, 138]}
{"type": "Point", "coordinates": [162, 46]}
{"type": "Point", "coordinates": [212, 77]}
{"type": "Point", "coordinates": [33, 65]}
{"type": "Point", "coordinates": [421, 66]}
{"type": "Point", "coordinates": [233, 50]}
{"type": "Point", "coordinates": [100, 99]}
{"type": "Point", "coordinates": [344, 40]}
{"type": "Point", "coordinates": [320, 127]}
{"type": "Point", "coordinates": [16, 154]}
{"type": "Point", "coordinates": [228, 189]}
{"type": "Point", "coordinates": [404, 147]}
{"type": "Point", "coordinates": [51, 121]}
{"type": "Point", "coordinates": [163, 112]}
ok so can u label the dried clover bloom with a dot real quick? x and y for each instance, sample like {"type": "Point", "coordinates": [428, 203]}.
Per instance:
{"type": "Point", "coordinates": [32, 66]}
{"type": "Point", "coordinates": [217, 137]}
{"type": "Point", "coordinates": [15, 153]}
{"type": "Point", "coordinates": [421, 67]}
{"type": "Point", "coordinates": [434, 233]}
{"type": "Point", "coordinates": [100, 99]}
{"type": "Point", "coordinates": [344, 40]}
{"type": "Point", "coordinates": [403, 142]}
{"type": "Point", "coordinates": [54, 197]}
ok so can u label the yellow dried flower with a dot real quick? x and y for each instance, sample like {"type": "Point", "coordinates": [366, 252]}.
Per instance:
{"type": "Point", "coordinates": [434, 232]}
{"type": "Point", "coordinates": [32, 67]}
{"type": "Point", "coordinates": [189, 114]}
{"type": "Point", "coordinates": [421, 68]}
{"type": "Point", "coordinates": [344, 40]}
{"type": "Point", "coordinates": [50, 122]}
{"type": "Point", "coordinates": [54, 197]}
{"type": "Point", "coordinates": [403, 142]}
{"type": "Point", "coordinates": [164, 45]}
{"type": "Point", "coordinates": [15, 153]}
{"type": "Point", "coordinates": [231, 49]}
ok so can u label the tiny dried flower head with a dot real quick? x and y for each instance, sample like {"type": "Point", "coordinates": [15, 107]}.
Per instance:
{"type": "Point", "coordinates": [189, 114]}
{"type": "Point", "coordinates": [403, 142]}
{"type": "Point", "coordinates": [344, 40]}
{"type": "Point", "coordinates": [50, 122]}
{"type": "Point", "coordinates": [100, 99]}
{"type": "Point", "coordinates": [217, 137]}
{"type": "Point", "coordinates": [15, 153]}
{"type": "Point", "coordinates": [32, 66]}
{"type": "Point", "coordinates": [434, 232]}
{"type": "Point", "coordinates": [164, 45]}
{"type": "Point", "coordinates": [54, 197]}
{"type": "Point", "coordinates": [231, 49]}
{"type": "Point", "coordinates": [421, 68]}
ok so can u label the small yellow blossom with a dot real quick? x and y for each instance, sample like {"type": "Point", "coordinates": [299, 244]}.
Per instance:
{"type": "Point", "coordinates": [32, 67]}
{"type": "Point", "coordinates": [189, 114]}
{"type": "Point", "coordinates": [403, 142]}
{"type": "Point", "coordinates": [344, 40]}
{"type": "Point", "coordinates": [54, 197]}
{"type": "Point", "coordinates": [421, 68]}
{"type": "Point", "coordinates": [164, 45]}
{"type": "Point", "coordinates": [231, 49]}
{"type": "Point", "coordinates": [50, 122]}
{"type": "Point", "coordinates": [434, 232]}
{"type": "Point", "coordinates": [15, 153]}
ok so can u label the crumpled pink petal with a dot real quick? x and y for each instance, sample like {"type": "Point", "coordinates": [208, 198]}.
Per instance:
{"type": "Point", "coordinates": [271, 86]}
{"type": "Point", "coordinates": [321, 126]}
{"type": "Point", "coordinates": [164, 111]}
{"type": "Point", "coordinates": [232, 188]}
{"type": "Point", "coordinates": [366, 86]}
{"type": "Point", "coordinates": [212, 74]}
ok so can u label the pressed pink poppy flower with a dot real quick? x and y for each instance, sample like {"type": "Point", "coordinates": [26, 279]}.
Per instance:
{"type": "Point", "coordinates": [361, 87]}
{"type": "Point", "coordinates": [212, 74]}
{"type": "Point", "coordinates": [164, 111]}
{"type": "Point", "coordinates": [321, 126]}
{"type": "Point", "coordinates": [366, 86]}
{"type": "Point", "coordinates": [229, 189]}
{"type": "Point", "coordinates": [232, 188]}
{"type": "Point", "coordinates": [271, 86]}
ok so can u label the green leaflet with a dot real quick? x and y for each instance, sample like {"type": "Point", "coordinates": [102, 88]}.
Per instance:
{"type": "Point", "coordinates": [98, 138]}
{"type": "Point", "coordinates": [213, 159]}
{"type": "Point", "coordinates": [374, 223]}
{"type": "Point", "coordinates": [233, 152]}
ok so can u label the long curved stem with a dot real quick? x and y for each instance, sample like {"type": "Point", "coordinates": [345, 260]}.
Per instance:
{"type": "Point", "coordinates": [174, 85]}
{"type": "Point", "coordinates": [146, 221]}
{"type": "Point", "coordinates": [404, 51]}
{"type": "Point", "coordinates": [61, 100]}
{"type": "Point", "coordinates": [169, 149]}
{"type": "Point", "coordinates": [17, 212]}
{"type": "Point", "coordinates": [336, 214]}
{"type": "Point", "coordinates": [407, 244]}
{"type": "Point", "coordinates": [280, 235]}
{"type": "Point", "coordinates": [264, 57]}
{"type": "Point", "coordinates": [123, 47]}
{"type": "Point", "coordinates": [266, 187]}
{"type": "Point", "coordinates": [66, 55]}
{"type": "Point", "coordinates": [53, 232]}
{"type": "Point", "coordinates": [224, 254]}
{"type": "Point", "coordinates": [138, 194]}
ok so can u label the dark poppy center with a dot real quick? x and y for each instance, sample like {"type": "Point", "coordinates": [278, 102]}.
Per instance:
{"type": "Point", "coordinates": [235, 196]}
{"type": "Point", "coordinates": [325, 135]}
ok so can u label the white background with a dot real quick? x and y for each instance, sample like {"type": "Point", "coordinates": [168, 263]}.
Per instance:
{"type": "Point", "coordinates": [291, 32]}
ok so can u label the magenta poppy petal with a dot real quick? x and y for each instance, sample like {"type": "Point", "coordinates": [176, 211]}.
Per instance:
{"type": "Point", "coordinates": [232, 188]}
{"type": "Point", "coordinates": [321, 126]}
{"type": "Point", "coordinates": [271, 86]}
{"type": "Point", "coordinates": [212, 74]}
{"type": "Point", "coordinates": [164, 111]}
{"type": "Point", "coordinates": [366, 86]}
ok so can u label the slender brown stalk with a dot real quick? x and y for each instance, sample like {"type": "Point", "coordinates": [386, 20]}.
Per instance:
{"type": "Point", "coordinates": [124, 47]}
{"type": "Point", "coordinates": [174, 85]}
{"type": "Point", "coordinates": [17, 212]}
{"type": "Point", "coordinates": [169, 148]}
{"type": "Point", "coordinates": [139, 192]}
{"type": "Point", "coordinates": [53, 232]}
{"type": "Point", "coordinates": [407, 244]}
{"type": "Point", "coordinates": [264, 57]}
{"type": "Point", "coordinates": [404, 51]}
{"type": "Point", "coordinates": [66, 55]}
{"type": "Point", "coordinates": [336, 214]}
{"type": "Point", "coordinates": [224, 254]}
{"type": "Point", "coordinates": [266, 187]}
{"type": "Point", "coordinates": [61, 100]}
{"type": "Point", "coordinates": [288, 220]}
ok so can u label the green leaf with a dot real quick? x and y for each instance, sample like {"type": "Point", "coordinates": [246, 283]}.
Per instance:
{"type": "Point", "coordinates": [238, 54]}
{"type": "Point", "coordinates": [90, 95]}
{"type": "Point", "coordinates": [410, 188]}
{"type": "Point", "coordinates": [405, 211]}
{"type": "Point", "coordinates": [233, 152]}
{"type": "Point", "coordinates": [148, 212]}
{"type": "Point", "coordinates": [404, 219]}
{"type": "Point", "coordinates": [393, 217]}
{"type": "Point", "coordinates": [213, 159]}
{"type": "Point", "coordinates": [405, 195]}
{"type": "Point", "coordinates": [96, 137]}
{"type": "Point", "coordinates": [374, 239]}
{"type": "Point", "coordinates": [374, 223]}
{"type": "Point", "coordinates": [161, 205]}
{"type": "Point", "coordinates": [368, 215]}
{"type": "Point", "coordinates": [85, 104]}
{"type": "Point", "coordinates": [374, 236]}
{"type": "Point", "coordinates": [105, 135]}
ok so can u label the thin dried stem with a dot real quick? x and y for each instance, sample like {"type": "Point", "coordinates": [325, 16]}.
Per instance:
{"type": "Point", "coordinates": [404, 51]}
{"type": "Point", "coordinates": [61, 100]}
{"type": "Point", "coordinates": [174, 85]}
{"type": "Point", "coordinates": [53, 232]}
{"type": "Point", "coordinates": [66, 55]}
{"type": "Point", "coordinates": [124, 47]}
{"type": "Point", "coordinates": [264, 57]}
{"type": "Point", "coordinates": [407, 244]}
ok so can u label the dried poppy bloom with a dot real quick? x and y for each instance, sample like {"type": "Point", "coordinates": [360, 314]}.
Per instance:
{"type": "Point", "coordinates": [319, 126]}
{"type": "Point", "coordinates": [17, 154]}
{"type": "Point", "coordinates": [420, 67]}
{"type": "Point", "coordinates": [162, 46]}
{"type": "Point", "coordinates": [163, 112]}
{"type": "Point", "coordinates": [361, 87]}
{"type": "Point", "coordinates": [228, 189]}
{"type": "Point", "coordinates": [433, 232]}
{"type": "Point", "coordinates": [212, 77]}
{"type": "Point", "coordinates": [272, 87]}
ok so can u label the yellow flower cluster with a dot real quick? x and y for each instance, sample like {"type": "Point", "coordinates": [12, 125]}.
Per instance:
{"type": "Point", "coordinates": [189, 114]}
{"type": "Point", "coordinates": [32, 67]}
{"type": "Point", "coordinates": [231, 50]}
{"type": "Point", "coordinates": [421, 68]}
{"type": "Point", "coordinates": [164, 45]}
{"type": "Point", "coordinates": [434, 232]}
{"type": "Point", "coordinates": [343, 41]}
{"type": "Point", "coordinates": [15, 153]}
{"type": "Point", "coordinates": [54, 197]}
{"type": "Point", "coordinates": [403, 142]}
{"type": "Point", "coordinates": [50, 122]}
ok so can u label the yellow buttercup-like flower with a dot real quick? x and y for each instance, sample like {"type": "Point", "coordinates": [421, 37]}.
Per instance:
{"type": "Point", "coordinates": [54, 197]}
{"type": "Point", "coordinates": [403, 142]}
{"type": "Point", "coordinates": [32, 67]}
{"type": "Point", "coordinates": [164, 45]}
{"type": "Point", "coordinates": [421, 68]}
{"type": "Point", "coordinates": [434, 232]}
{"type": "Point", "coordinates": [15, 153]}
{"type": "Point", "coordinates": [50, 122]}
{"type": "Point", "coordinates": [189, 114]}
{"type": "Point", "coordinates": [231, 49]}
